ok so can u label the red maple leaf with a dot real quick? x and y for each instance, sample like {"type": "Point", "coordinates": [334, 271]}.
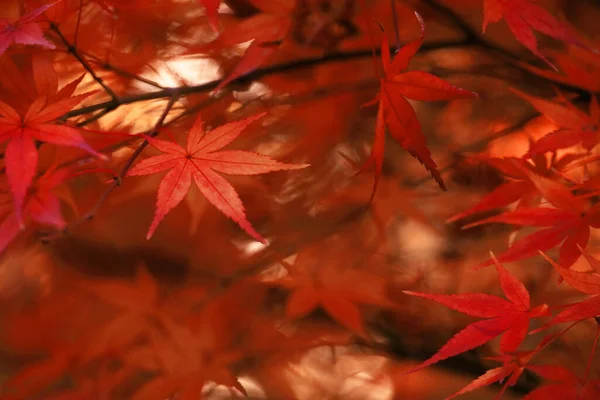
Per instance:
{"type": "Point", "coordinates": [266, 30]}
{"type": "Point", "coordinates": [585, 282]}
{"type": "Point", "coordinates": [568, 223]}
{"type": "Point", "coordinates": [24, 31]}
{"type": "Point", "coordinates": [518, 187]}
{"type": "Point", "coordinates": [564, 384]}
{"type": "Point", "coordinates": [508, 317]}
{"type": "Point", "coordinates": [514, 365]}
{"type": "Point", "coordinates": [38, 123]}
{"type": "Point", "coordinates": [395, 112]}
{"type": "Point", "coordinates": [212, 12]}
{"type": "Point", "coordinates": [41, 205]}
{"type": "Point", "coordinates": [523, 17]}
{"type": "Point", "coordinates": [200, 161]}
{"type": "Point", "coordinates": [579, 66]}
{"type": "Point", "coordinates": [575, 126]}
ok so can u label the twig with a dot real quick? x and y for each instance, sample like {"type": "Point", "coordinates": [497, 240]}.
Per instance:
{"type": "Point", "coordinates": [71, 49]}
{"type": "Point", "coordinates": [119, 178]}
{"type": "Point", "coordinates": [473, 37]}
{"type": "Point", "coordinates": [473, 146]}
{"type": "Point", "coordinates": [251, 76]}
{"type": "Point", "coordinates": [396, 25]}
{"type": "Point", "coordinates": [109, 67]}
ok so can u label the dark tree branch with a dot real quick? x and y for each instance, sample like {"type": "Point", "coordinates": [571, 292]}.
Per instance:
{"type": "Point", "coordinates": [473, 37]}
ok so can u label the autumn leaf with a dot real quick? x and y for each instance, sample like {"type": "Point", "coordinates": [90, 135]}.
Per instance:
{"type": "Point", "coordinates": [514, 365]}
{"type": "Point", "coordinates": [523, 17]}
{"type": "Point", "coordinates": [574, 126]}
{"type": "Point", "coordinates": [584, 282]}
{"type": "Point", "coordinates": [508, 317]}
{"type": "Point", "coordinates": [316, 280]}
{"type": "Point", "coordinates": [212, 12]}
{"type": "Point", "coordinates": [579, 68]}
{"type": "Point", "coordinates": [518, 187]}
{"type": "Point", "coordinates": [24, 31]}
{"type": "Point", "coordinates": [266, 30]}
{"type": "Point", "coordinates": [201, 161]}
{"type": "Point", "coordinates": [42, 205]}
{"type": "Point", "coordinates": [38, 123]}
{"type": "Point", "coordinates": [395, 112]}
{"type": "Point", "coordinates": [569, 223]}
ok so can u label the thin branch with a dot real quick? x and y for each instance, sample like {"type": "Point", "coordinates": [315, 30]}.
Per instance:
{"type": "Point", "coordinates": [71, 49]}
{"type": "Point", "coordinates": [249, 77]}
{"type": "Point", "coordinates": [298, 99]}
{"type": "Point", "coordinates": [473, 37]}
{"type": "Point", "coordinates": [119, 178]}
{"type": "Point", "coordinates": [78, 23]}
{"type": "Point", "coordinates": [396, 25]}
{"type": "Point", "coordinates": [474, 146]}
{"type": "Point", "coordinates": [109, 67]}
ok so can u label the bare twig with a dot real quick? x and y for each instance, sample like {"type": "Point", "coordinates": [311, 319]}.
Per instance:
{"type": "Point", "coordinates": [396, 25]}
{"type": "Point", "coordinates": [71, 49]}
{"type": "Point", "coordinates": [251, 76]}
{"type": "Point", "coordinates": [109, 67]}
{"type": "Point", "coordinates": [119, 178]}
{"type": "Point", "coordinates": [472, 37]}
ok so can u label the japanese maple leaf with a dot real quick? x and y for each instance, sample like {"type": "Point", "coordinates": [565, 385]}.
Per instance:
{"type": "Point", "coordinates": [266, 30]}
{"type": "Point", "coordinates": [140, 307]}
{"type": "Point", "coordinates": [38, 123]}
{"type": "Point", "coordinates": [514, 365]}
{"type": "Point", "coordinates": [212, 12]}
{"type": "Point", "coordinates": [523, 17]}
{"type": "Point", "coordinates": [579, 68]}
{"type": "Point", "coordinates": [508, 317]}
{"type": "Point", "coordinates": [201, 161]}
{"type": "Point", "coordinates": [564, 384]}
{"type": "Point", "coordinates": [395, 112]}
{"type": "Point", "coordinates": [185, 365]}
{"type": "Point", "coordinates": [42, 205]}
{"type": "Point", "coordinates": [518, 186]}
{"type": "Point", "coordinates": [318, 280]}
{"type": "Point", "coordinates": [24, 31]}
{"type": "Point", "coordinates": [568, 223]}
{"type": "Point", "coordinates": [575, 126]}
{"type": "Point", "coordinates": [585, 282]}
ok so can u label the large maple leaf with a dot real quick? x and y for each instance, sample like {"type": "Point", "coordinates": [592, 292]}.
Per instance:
{"type": "Point", "coordinates": [508, 317]}
{"type": "Point", "coordinates": [395, 112]}
{"type": "Point", "coordinates": [24, 31]}
{"type": "Point", "coordinates": [201, 161]}
{"type": "Point", "coordinates": [523, 17]}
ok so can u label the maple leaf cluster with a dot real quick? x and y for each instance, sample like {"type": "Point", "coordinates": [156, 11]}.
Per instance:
{"type": "Point", "coordinates": [75, 81]}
